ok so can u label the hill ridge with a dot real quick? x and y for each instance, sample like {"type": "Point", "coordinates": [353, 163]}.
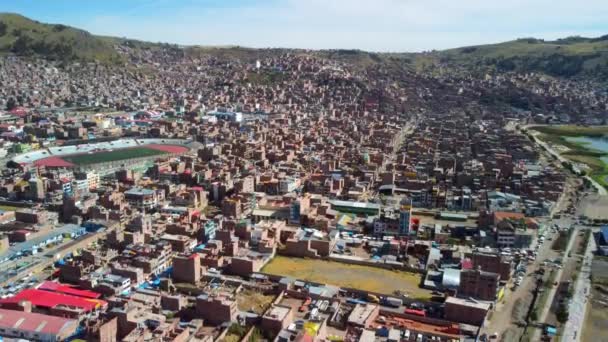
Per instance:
{"type": "Point", "coordinates": [567, 57]}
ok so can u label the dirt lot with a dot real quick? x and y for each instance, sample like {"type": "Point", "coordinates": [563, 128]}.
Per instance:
{"type": "Point", "coordinates": [597, 312]}
{"type": "Point", "coordinates": [594, 207]}
{"type": "Point", "coordinates": [599, 270]}
{"type": "Point", "coordinates": [597, 316]}
{"type": "Point", "coordinates": [366, 278]}
{"type": "Point", "coordinates": [295, 304]}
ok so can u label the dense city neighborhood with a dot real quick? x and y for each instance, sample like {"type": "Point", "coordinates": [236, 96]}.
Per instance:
{"type": "Point", "coordinates": [292, 195]}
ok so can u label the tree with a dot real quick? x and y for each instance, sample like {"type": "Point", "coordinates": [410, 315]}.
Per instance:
{"type": "Point", "coordinates": [534, 316]}
{"type": "Point", "coordinates": [2, 28]}
{"type": "Point", "coordinates": [21, 46]}
{"type": "Point", "coordinates": [562, 314]}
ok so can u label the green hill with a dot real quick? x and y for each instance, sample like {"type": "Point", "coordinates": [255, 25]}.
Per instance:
{"type": "Point", "coordinates": [569, 57]}
{"type": "Point", "coordinates": [26, 37]}
{"type": "Point", "coordinates": [574, 57]}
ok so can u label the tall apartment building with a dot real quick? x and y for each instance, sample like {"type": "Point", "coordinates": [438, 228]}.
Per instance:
{"type": "Point", "coordinates": [478, 284]}
{"type": "Point", "coordinates": [490, 262]}
{"type": "Point", "coordinates": [187, 268]}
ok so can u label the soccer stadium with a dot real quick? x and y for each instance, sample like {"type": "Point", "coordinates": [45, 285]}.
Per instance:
{"type": "Point", "coordinates": [105, 157]}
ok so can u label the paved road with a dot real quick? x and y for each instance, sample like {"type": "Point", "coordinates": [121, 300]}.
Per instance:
{"type": "Point", "coordinates": [408, 128]}
{"type": "Point", "coordinates": [502, 318]}
{"type": "Point", "coordinates": [578, 305]}
{"type": "Point", "coordinates": [542, 317]}
{"type": "Point", "coordinates": [46, 258]}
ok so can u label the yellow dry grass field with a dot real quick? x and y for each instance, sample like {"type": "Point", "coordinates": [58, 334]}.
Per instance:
{"type": "Point", "coordinates": [366, 278]}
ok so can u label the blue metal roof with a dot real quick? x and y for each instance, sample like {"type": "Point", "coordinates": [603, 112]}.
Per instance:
{"type": "Point", "coordinates": [604, 232]}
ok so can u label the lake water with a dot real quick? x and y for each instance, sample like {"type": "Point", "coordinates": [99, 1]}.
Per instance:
{"type": "Point", "coordinates": [596, 143]}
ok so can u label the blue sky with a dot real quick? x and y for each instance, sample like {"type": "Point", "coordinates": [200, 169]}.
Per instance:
{"type": "Point", "coordinates": [375, 25]}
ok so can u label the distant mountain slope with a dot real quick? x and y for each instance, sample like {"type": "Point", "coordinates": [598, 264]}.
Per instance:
{"type": "Point", "coordinates": [24, 36]}
{"type": "Point", "coordinates": [569, 57]}
{"type": "Point", "coordinates": [573, 57]}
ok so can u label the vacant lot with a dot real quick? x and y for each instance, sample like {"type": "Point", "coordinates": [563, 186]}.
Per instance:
{"type": "Point", "coordinates": [597, 316]}
{"type": "Point", "coordinates": [594, 207]}
{"type": "Point", "coordinates": [366, 278]}
{"type": "Point", "coordinates": [110, 156]}
{"type": "Point", "coordinates": [599, 270]}
{"type": "Point", "coordinates": [597, 307]}
{"type": "Point", "coordinates": [253, 300]}
{"type": "Point", "coordinates": [594, 328]}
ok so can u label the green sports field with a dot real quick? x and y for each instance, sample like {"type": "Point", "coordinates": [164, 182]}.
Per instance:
{"type": "Point", "coordinates": [110, 156]}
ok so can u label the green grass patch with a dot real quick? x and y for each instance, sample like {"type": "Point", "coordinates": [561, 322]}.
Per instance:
{"type": "Point", "coordinates": [28, 37]}
{"type": "Point", "coordinates": [579, 152]}
{"type": "Point", "coordinates": [110, 156]}
{"type": "Point", "coordinates": [575, 148]}
{"type": "Point", "coordinates": [601, 179]}
{"type": "Point", "coordinates": [367, 278]}
{"type": "Point", "coordinates": [595, 164]}
{"type": "Point", "coordinates": [9, 208]}
{"type": "Point", "coordinates": [572, 130]}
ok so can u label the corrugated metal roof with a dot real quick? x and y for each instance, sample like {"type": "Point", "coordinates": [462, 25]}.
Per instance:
{"type": "Point", "coordinates": [604, 232]}
{"type": "Point", "coordinates": [35, 322]}
{"type": "Point", "coordinates": [451, 277]}
{"type": "Point", "coordinates": [50, 300]}
{"type": "Point", "coordinates": [67, 289]}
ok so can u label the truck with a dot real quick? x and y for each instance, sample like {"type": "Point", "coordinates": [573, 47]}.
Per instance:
{"type": "Point", "coordinates": [355, 301]}
{"type": "Point", "coordinates": [373, 298]}
{"type": "Point", "coordinates": [392, 301]}
{"type": "Point", "coordinates": [415, 312]}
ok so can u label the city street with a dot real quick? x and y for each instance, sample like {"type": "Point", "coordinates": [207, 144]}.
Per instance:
{"type": "Point", "coordinates": [542, 316]}
{"type": "Point", "coordinates": [513, 308]}
{"type": "Point", "coordinates": [578, 304]}
{"type": "Point", "coordinates": [502, 320]}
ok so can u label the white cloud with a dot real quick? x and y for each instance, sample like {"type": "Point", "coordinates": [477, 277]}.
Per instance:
{"type": "Point", "coordinates": [379, 25]}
